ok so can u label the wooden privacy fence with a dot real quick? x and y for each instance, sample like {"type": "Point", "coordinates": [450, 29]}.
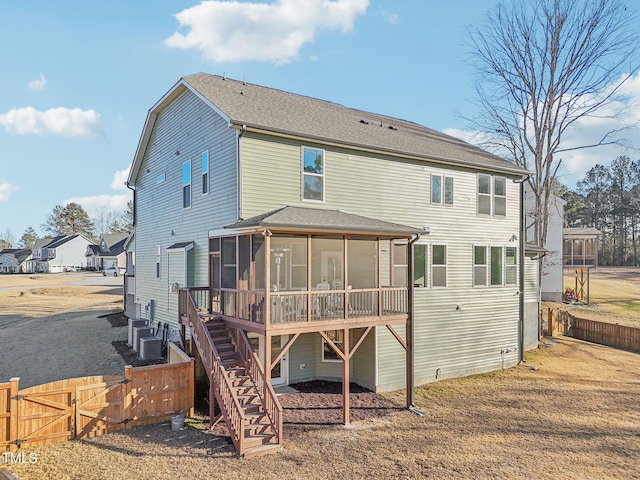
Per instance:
{"type": "Point", "coordinates": [618, 336]}
{"type": "Point", "coordinates": [89, 406]}
{"type": "Point", "coordinates": [612, 334]}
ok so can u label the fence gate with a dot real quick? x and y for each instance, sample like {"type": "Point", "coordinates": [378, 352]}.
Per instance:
{"type": "Point", "coordinates": [45, 416]}
{"type": "Point", "coordinates": [99, 408]}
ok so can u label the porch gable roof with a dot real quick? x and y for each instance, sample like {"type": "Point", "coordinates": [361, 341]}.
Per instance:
{"type": "Point", "coordinates": [317, 220]}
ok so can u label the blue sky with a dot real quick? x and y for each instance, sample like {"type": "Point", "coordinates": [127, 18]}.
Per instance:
{"type": "Point", "coordinates": [79, 77]}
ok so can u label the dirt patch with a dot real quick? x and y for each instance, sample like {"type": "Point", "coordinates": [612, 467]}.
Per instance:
{"type": "Point", "coordinates": [116, 319]}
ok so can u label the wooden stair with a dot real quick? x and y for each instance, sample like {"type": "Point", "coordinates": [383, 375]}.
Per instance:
{"type": "Point", "coordinates": [247, 404]}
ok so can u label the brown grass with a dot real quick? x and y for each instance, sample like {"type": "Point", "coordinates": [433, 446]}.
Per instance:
{"type": "Point", "coordinates": [571, 412]}
{"type": "Point", "coordinates": [614, 295]}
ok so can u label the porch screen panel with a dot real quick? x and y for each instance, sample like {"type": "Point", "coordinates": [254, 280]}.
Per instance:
{"type": "Point", "coordinates": [259, 259]}
{"type": "Point", "coordinates": [244, 260]}
{"type": "Point", "coordinates": [288, 263]}
{"type": "Point", "coordinates": [363, 264]}
{"type": "Point", "coordinates": [229, 262]}
{"type": "Point", "coordinates": [327, 263]}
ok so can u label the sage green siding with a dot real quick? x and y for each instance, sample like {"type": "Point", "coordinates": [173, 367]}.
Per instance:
{"type": "Point", "coordinates": [459, 329]}
{"type": "Point", "coordinates": [302, 352]}
{"type": "Point", "coordinates": [182, 131]}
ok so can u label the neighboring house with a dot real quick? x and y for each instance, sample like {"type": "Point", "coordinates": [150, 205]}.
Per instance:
{"type": "Point", "coordinates": [59, 253]}
{"type": "Point", "coordinates": [581, 247]}
{"type": "Point", "coordinates": [345, 244]}
{"type": "Point", "coordinates": [551, 284]}
{"type": "Point", "coordinates": [109, 252]}
{"type": "Point", "coordinates": [14, 260]}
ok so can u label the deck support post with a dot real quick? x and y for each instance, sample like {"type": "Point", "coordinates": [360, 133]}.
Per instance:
{"type": "Point", "coordinates": [346, 414]}
{"type": "Point", "coordinates": [268, 361]}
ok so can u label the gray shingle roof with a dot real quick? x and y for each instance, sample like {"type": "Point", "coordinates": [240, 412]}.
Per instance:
{"type": "Point", "coordinates": [322, 220]}
{"type": "Point", "coordinates": [283, 112]}
{"type": "Point", "coordinates": [18, 254]}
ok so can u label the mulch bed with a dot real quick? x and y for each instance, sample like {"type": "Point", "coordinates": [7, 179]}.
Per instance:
{"type": "Point", "coordinates": [320, 403]}
{"type": "Point", "coordinates": [118, 319]}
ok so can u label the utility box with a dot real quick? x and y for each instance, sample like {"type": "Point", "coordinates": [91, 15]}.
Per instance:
{"type": "Point", "coordinates": [134, 322]}
{"type": "Point", "coordinates": [138, 333]}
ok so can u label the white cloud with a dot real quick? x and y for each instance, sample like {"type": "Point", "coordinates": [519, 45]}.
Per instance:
{"type": "Point", "coordinates": [116, 203]}
{"type": "Point", "coordinates": [6, 189]}
{"type": "Point", "coordinates": [120, 178]}
{"type": "Point", "coordinates": [37, 85]}
{"type": "Point", "coordinates": [55, 121]}
{"type": "Point", "coordinates": [234, 31]}
{"type": "Point", "coordinates": [394, 19]}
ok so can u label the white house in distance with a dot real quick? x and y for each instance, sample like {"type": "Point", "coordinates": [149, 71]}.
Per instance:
{"type": "Point", "coordinates": [60, 253]}
{"type": "Point", "coordinates": [551, 284]}
{"type": "Point", "coordinates": [14, 260]}
{"type": "Point", "coordinates": [344, 245]}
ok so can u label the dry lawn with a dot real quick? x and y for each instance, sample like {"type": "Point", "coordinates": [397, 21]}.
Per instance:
{"type": "Point", "coordinates": [614, 296]}
{"type": "Point", "coordinates": [572, 412]}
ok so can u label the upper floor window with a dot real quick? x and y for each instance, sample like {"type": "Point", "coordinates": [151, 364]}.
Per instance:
{"type": "Point", "coordinates": [499, 196]}
{"type": "Point", "coordinates": [205, 172]}
{"type": "Point", "coordinates": [442, 189]}
{"type": "Point", "coordinates": [312, 174]}
{"type": "Point", "coordinates": [492, 195]}
{"type": "Point", "coordinates": [498, 265]}
{"type": "Point", "coordinates": [186, 184]}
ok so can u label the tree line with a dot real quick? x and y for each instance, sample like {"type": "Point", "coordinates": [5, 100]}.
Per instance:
{"type": "Point", "coordinates": [72, 219]}
{"type": "Point", "coordinates": [608, 198]}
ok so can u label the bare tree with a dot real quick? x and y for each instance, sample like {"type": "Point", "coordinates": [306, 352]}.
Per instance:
{"type": "Point", "coordinates": [106, 221]}
{"type": "Point", "coordinates": [542, 67]}
{"type": "Point", "coordinates": [7, 239]}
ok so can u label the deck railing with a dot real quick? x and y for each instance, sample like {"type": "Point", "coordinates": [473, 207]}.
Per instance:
{"type": "Point", "coordinates": [272, 407]}
{"type": "Point", "coordinates": [302, 306]}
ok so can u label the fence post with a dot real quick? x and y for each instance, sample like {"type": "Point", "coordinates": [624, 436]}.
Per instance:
{"type": "Point", "coordinates": [550, 322]}
{"type": "Point", "coordinates": [127, 404]}
{"type": "Point", "coordinates": [13, 409]}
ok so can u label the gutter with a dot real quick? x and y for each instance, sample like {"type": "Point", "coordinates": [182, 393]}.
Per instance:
{"type": "Point", "coordinates": [379, 151]}
{"type": "Point", "coordinates": [410, 328]}
{"type": "Point", "coordinates": [239, 135]}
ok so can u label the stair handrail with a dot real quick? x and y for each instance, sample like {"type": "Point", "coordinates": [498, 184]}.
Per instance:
{"type": "Point", "coordinates": [227, 401]}
{"type": "Point", "coordinates": [254, 367]}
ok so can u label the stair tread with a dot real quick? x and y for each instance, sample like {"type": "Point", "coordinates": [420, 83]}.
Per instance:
{"type": "Point", "coordinates": [261, 450]}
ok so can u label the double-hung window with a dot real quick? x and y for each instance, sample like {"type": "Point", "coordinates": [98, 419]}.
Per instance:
{"type": "Point", "coordinates": [438, 265]}
{"type": "Point", "coordinates": [492, 195]}
{"type": "Point", "coordinates": [479, 265]}
{"type": "Point", "coordinates": [442, 189]}
{"type": "Point", "coordinates": [186, 184]}
{"type": "Point", "coordinates": [510, 266]}
{"type": "Point", "coordinates": [205, 172]}
{"type": "Point", "coordinates": [312, 174]}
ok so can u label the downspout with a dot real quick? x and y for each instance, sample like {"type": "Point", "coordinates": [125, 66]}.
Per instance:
{"type": "Point", "coordinates": [410, 327]}
{"type": "Point", "coordinates": [521, 267]}
{"type": "Point", "coordinates": [124, 299]}
{"type": "Point", "coordinates": [239, 134]}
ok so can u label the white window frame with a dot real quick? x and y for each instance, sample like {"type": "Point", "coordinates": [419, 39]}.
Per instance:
{"type": "Point", "coordinates": [426, 265]}
{"type": "Point", "coordinates": [185, 185]}
{"type": "Point", "coordinates": [440, 266]}
{"type": "Point", "coordinates": [204, 157]}
{"type": "Point", "coordinates": [442, 200]}
{"type": "Point", "coordinates": [304, 174]}
{"type": "Point", "coordinates": [325, 346]}
{"type": "Point", "coordinates": [492, 195]}
{"type": "Point", "coordinates": [486, 266]}
{"type": "Point", "coordinates": [511, 266]}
